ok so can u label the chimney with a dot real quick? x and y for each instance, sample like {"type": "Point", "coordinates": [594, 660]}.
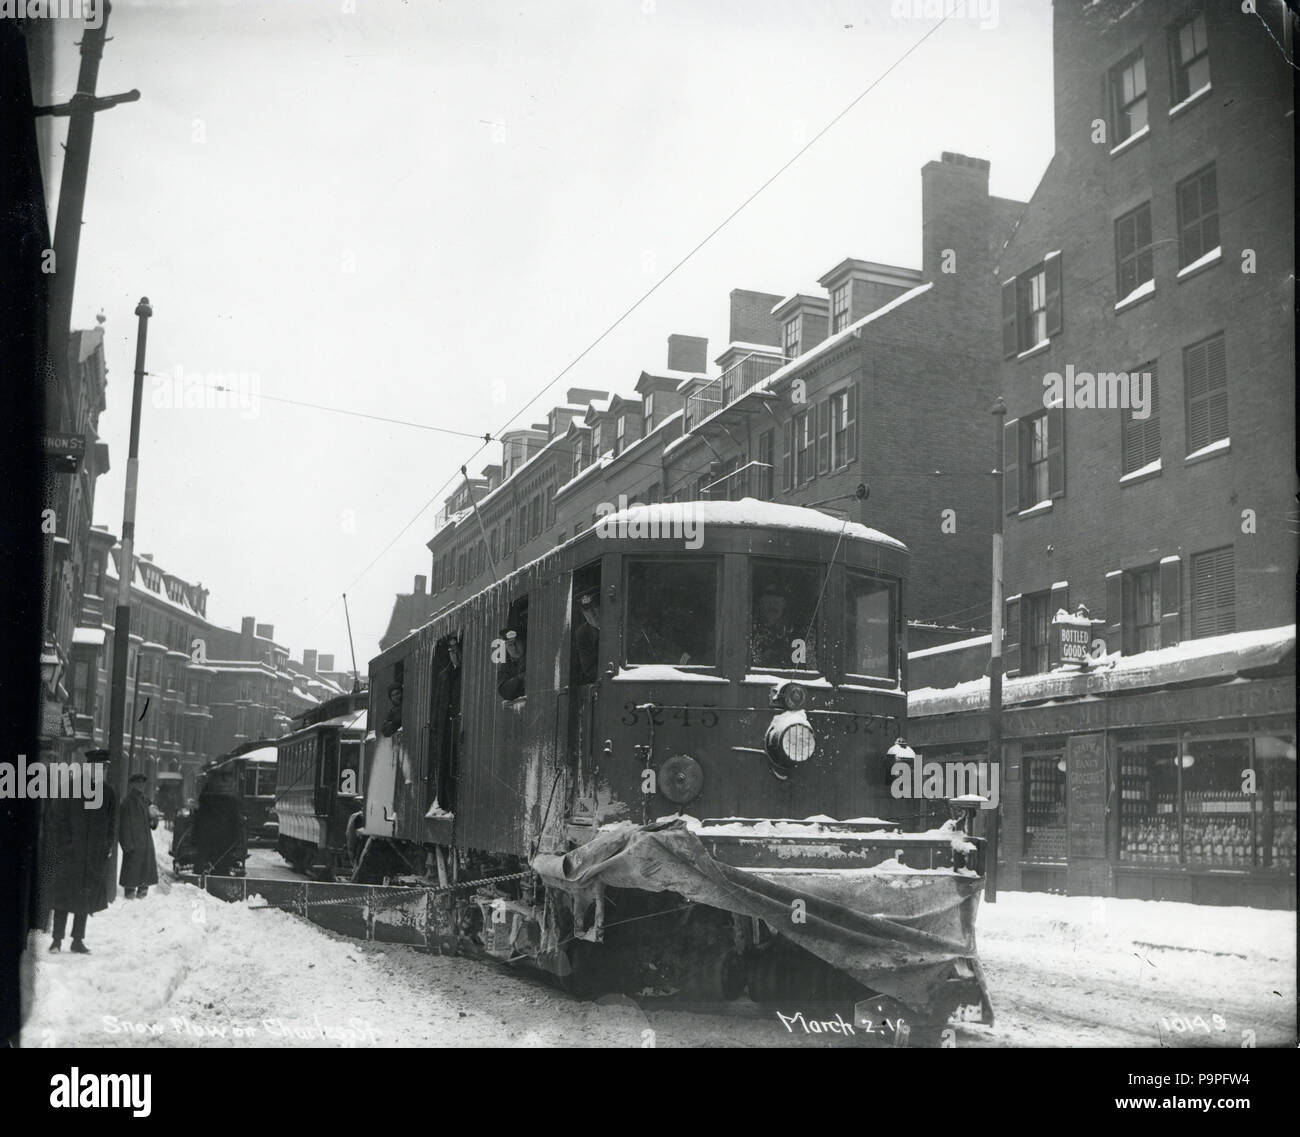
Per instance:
{"type": "Point", "coordinates": [326, 663]}
{"type": "Point", "coordinates": [246, 638]}
{"type": "Point", "coordinates": [955, 215]}
{"type": "Point", "coordinates": [420, 582]}
{"type": "Point", "coordinates": [751, 317]}
{"type": "Point", "coordinates": [309, 660]}
{"type": "Point", "coordinates": [266, 631]}
{"type": "Point", "coordinates": [688, 353]}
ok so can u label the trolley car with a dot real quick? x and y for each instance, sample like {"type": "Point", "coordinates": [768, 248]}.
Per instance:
{"type": "Point", "coordinates": [655, 759]}
{"type": "Point", "coordinates": [236, 808]}
{"type": "Point", "coordinates": [318, 792]}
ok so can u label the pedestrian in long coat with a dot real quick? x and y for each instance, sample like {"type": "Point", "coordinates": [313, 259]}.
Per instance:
{"type": "Point", "coordinates": [135, 832]}
{"type": "Point", "coordinates": [82, 840]}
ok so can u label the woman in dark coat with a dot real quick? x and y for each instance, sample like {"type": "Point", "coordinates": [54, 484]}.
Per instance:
{"type": "Point", "coordinates": [81, 844]}
{"type": "Point", "coordinates": [135, 832]}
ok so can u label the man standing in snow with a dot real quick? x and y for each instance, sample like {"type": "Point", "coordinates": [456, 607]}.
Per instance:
{"type": "Point", "coordinates": [81, 842]}
{"type": "Point", "coordinates": [135, 832]}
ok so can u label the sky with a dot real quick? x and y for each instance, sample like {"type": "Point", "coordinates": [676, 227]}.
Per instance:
{"type": "Point", "coordinates": [427, 211]}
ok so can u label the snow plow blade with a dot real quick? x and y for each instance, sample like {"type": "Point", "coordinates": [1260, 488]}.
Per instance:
{"type": "Point", "coordinates": [847, 897]}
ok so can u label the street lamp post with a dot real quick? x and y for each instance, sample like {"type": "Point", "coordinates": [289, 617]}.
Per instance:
{"type": "Point", "coordinates": [125, 570]}
{"type": "Point", "coordinates": [995, 663]}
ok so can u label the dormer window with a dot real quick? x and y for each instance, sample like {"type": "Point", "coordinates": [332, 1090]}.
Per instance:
{"type": "Point", "coordinates": [790, 338]}
{"type": "Point", "coordinates": [648, 411]}
{"type": "Point", "coordinates": [595, 442]}
{"type": "Point", "coordinates": [620, 433]}
{"type": "Point", "coordinates": [840, 307]}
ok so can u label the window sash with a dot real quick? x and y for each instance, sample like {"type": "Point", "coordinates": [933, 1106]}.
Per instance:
{"type": "Point", "coordinates": [1133, 261]}
{"type": "Point", "coordinates": [1198, 216]}
{"type": "Point", "coordinates": [1128, 93]}
{"type": "Point", "coordinates": [1191, 56]}
{"type": "Point", "coordinates": [840, 308]}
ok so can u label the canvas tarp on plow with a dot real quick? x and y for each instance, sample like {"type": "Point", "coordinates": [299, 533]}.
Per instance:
{"type": "Point", "coordinates": [897, 931]}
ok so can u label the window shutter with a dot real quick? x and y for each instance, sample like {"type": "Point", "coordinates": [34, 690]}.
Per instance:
{"type": "Point", "coordinates": [1117, 610]}
{"type": "Point", "coordinates": [1009, 335]}
{"type": "Point", "coordinates": [851, 435]}
{"type": "Point", "coordinates": [1011, 639]}
{"type": "Point", "coordinates": [1011, 466]}
{"type": "Point", "coordinates": [1171, 592]}
{"type": "Point", "coordinates": [1056, 452]}
{"type": "Point", "coordinates": [1196, 379]}
{"type": "Point", "coordinates": [1052, 271]}
{"type": "Point", "coordinates": [1058, 599]}
{"type": "Point", "coordinates": [1216, 381]}
{"type": "Point", "coordinates": [787, 457]}
{"type": "Point", "coordinates": [823, 436]}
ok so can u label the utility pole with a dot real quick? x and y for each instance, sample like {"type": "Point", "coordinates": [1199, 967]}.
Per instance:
{"type": "Point", "coordinates": [995, 666]}
{"type": "Point", "coordinates": [125, 568]}
{"type": "Point", "coordinates": [80, 111]}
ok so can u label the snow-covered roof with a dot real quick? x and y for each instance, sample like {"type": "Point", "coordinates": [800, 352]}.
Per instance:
{"type": "Point", "coordinates": [955, 645]}
{"type": "Point", "coordinates": [812, 353]}
{"type": "Point", "coordinates": [1213, 657]}
{"type": "Point", "coordinates": [748, 512]}
{"type": "Point", "coordinates": [670, 373]}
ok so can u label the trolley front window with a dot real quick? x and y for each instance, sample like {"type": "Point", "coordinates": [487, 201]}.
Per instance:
{"type": "Point", "coordinates": [785, 600]}
{"type": "Point", "coordinates": [264, 780]}
{"type": "Point", "coordinates": [672, 608]}
{"type": "Point", "coordinates": [870, 632]}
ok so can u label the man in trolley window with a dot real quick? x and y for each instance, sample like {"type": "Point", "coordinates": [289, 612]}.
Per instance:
{"type": "Point", "coordinates": [510, 674]}
{"type": "Point", "coordinates": [587, 636]}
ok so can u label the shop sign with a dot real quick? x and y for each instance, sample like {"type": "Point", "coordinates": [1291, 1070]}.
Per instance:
{"type": "Point", "coordinates": [1085, 772]}
{"type": "Point", "coordinates": [1075, 641]}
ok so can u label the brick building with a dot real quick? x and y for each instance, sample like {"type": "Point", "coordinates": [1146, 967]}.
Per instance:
{"type": "Point", "coordinates": [195, 690]}
{"type": "Point", "coordinates": [1159, 244]}
{"type": "Point", "coordinates": [875, 381]}
{"type": "Point", "coordinates": [73, 415]}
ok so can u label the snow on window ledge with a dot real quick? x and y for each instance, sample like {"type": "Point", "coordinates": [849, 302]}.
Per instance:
{"type": "Point", "coordinates": [1141, 292]}
{"type": "Point", "coordinates": [1204, 261]}
{"type": "Point", "coordinates": [1044, 506]}
{"type": "Point", "coordinates": [1150, 470]}
{"type": "Point", "coordinates": [1222, 446]}
{"type": "Point", "coordinates": [1042, 345]}
{"type": "Point", "coordinates": [1136, 136]}
{"type": "Point", "coordinates": [1194, 97]}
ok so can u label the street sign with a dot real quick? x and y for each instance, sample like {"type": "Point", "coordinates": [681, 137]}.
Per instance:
{"type": "Point", "coordinates": [65, 452]}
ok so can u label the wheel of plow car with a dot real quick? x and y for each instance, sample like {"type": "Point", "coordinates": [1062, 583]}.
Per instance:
{"type": "Point", "coordinates": [767, 976]}
{"type": "Point", "coordinates": [583, 978]}
{"type": "Point", "coordinates": [721, 978]}
{"type": "Point", "coordinates": [681, 779]}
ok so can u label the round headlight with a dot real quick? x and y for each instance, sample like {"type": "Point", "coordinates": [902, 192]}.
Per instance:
{"type": "Point", "coordinates": [792, 696]}
{"type": "Point", "coordinates": [798, 742]}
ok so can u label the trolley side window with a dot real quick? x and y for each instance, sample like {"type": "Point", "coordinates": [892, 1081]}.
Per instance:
{"type": "Point", "coordinates": [512, 665]}
{"type": "Point", "coordinates": [585, 622]}
{"type": "Point", "coordinates": [870, 633]}
{"type": "Point", "coordinates": [672, 612]}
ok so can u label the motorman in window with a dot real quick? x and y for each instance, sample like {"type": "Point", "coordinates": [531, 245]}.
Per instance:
{"type": "Point", "coordinates": [510, 674]}
{"type": "Point", "coordinates": [587, 637]}
{"type": "Point", "coordinates": [773, 631]}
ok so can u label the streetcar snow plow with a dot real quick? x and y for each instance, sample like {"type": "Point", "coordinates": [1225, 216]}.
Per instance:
{"type": "Point", "coordinates": [893, 911]}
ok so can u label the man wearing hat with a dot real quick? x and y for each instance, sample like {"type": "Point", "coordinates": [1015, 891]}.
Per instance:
{"type": "Point", "coordinates": [772, 631]}
{"type": "Point", "coordinates": [135, 833]}
{"type": "Point", "coordinates": [393, 722]}
{"type": "Point", "coordinates": [510, 674]}
{"type": "Point", "coordinates": [81, 843]}
{"type": "Point", "coordinates": [587, 637]}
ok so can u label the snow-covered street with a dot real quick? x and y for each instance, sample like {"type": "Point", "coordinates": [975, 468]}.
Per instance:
{"type": "Point", "coordinates": [184, 969]}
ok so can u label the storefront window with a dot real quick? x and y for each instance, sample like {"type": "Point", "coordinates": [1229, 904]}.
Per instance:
{"type": "Point", "coordinates": [1045, 806]}
{"type": "Point", "coordinates": [1209, 802]}
{"type": "Point", "coordinates": [1148, 817]}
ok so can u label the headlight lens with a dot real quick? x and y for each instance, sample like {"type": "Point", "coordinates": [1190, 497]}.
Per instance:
{"type": "Point", "coordinates": [798, 742]}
